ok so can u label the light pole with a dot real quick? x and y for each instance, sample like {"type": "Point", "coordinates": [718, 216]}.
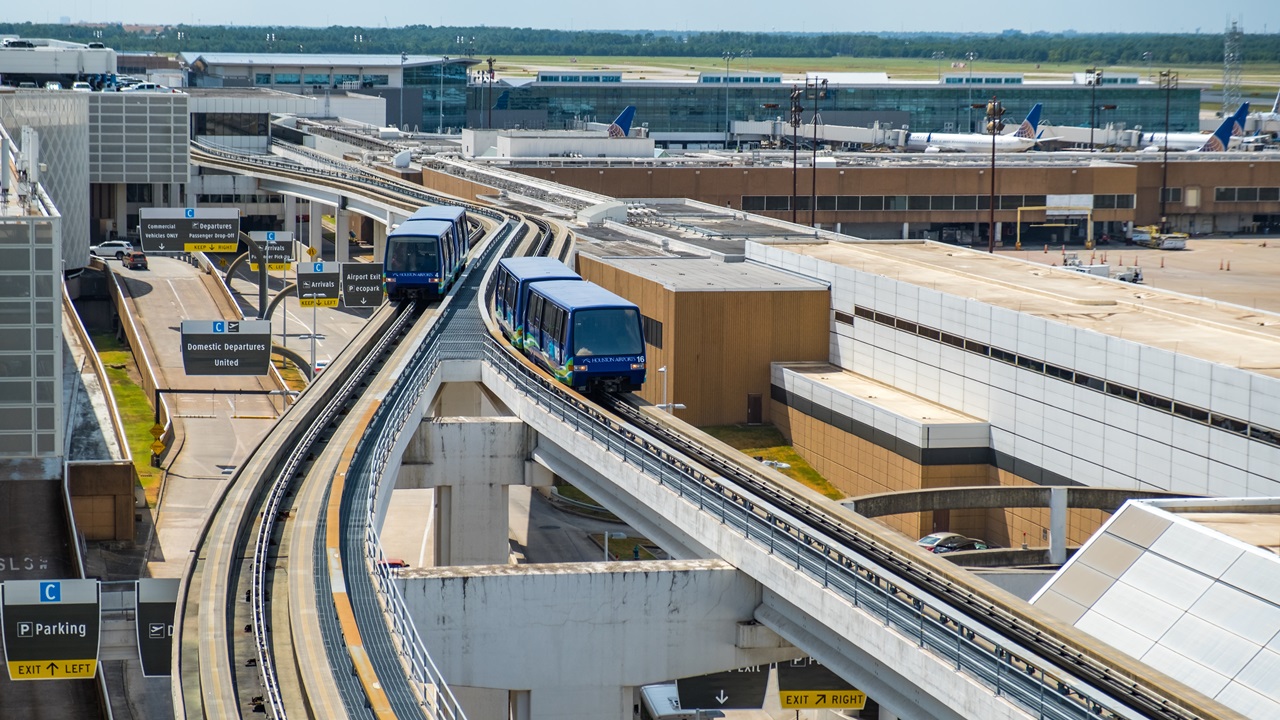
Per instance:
{"type": "Point", "coordinates": [1168, 82]}
{"type": "Point", "coordinates": [489, 102]}
{"type": "Point", "coordinates": [403, 57]}
{"type": "Point", "coordinates": [440, 96]}
{"type": "Point", "coordinates": [939, 56]}
{"type": "Point", "coordinates": [818, 88]}
{"type": "Point", "coordinates": [729, 56]}
{"type": "Point", "coordinates": [611, 536]}
{"type": "Point", "coordinates": [666, 405]}
{"type": "Point", "coordinates": [969, 57]}
{"type": "Point", "coordinates": [995, 110]}
{"type": "Point", "coordinates": [796, 111]}
{"type": "Point", "coordinates": [1093, 76]}
{"type": "Point", "coordinates": [1147, 56]}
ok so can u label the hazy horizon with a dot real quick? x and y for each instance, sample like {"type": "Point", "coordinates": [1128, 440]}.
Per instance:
{"type": "Point", "coordinates": [1170, 16]}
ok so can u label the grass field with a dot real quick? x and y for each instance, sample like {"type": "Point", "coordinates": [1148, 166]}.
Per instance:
{"type": "Point", "coordinates": [135, 409]}
{"type": "Point", "coordinates": [765, 442]}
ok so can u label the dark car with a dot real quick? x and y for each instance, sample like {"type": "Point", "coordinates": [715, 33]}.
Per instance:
{"type": "Point", "coordinates": [957, 544]}
{"type": "Point", "coordinates": [135, 260]}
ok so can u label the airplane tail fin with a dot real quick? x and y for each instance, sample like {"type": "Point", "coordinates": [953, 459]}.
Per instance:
{"type": "Point", "coordinates": [1221, 138]}
{"type": "Point", "coordinates": [1275, 106]}
{"type": "Point", "coordinates": [1238, 120]}
{"type": "Point", "coordinates": [621, 127]}
{"type": "Point", "coordinates": [1030, 127]}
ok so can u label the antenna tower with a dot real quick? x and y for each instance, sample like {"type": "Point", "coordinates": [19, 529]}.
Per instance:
{"type": "Point", "coordinates": [1232, 67]}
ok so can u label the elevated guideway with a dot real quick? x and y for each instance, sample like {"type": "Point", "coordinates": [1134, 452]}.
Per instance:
{"type": "Point", "coordinates": [922, 636]}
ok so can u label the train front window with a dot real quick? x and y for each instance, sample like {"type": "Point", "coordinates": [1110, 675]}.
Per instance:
{"type": "Point", "coordinates": [611, 331]}
{"type": "Point", "coordinates": [414, 254]}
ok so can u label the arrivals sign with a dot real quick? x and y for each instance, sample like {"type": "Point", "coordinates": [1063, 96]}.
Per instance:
{"type": "Point", "coordinates": [361, 284]}
{"type": "Point", "coordinates": [226, 347]}
{"type": "Point", "coordinates": [155, 606]}
{"type": "Point", "coordinates": [741, 689]}
{"type": "Point", "coordinates": [279, 249]}
{"type": "Point", "coordinates": [318, 284]}
{"type": "Point", "coordinates": [189, 229]}
{"type": "Point", "coordinates": [51, 629]}
{"type": "Point", "coordinates": [806, 683]}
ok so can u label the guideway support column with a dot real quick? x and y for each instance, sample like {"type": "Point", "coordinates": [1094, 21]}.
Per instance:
{"type": "Point", "coordinates": [470, 462]}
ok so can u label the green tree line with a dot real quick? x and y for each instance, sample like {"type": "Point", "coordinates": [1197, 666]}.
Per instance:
{"type": "Point", "coordinates": [1101, 49]}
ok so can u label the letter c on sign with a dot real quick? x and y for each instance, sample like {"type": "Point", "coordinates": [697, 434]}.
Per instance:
{"type": "Point", "coordinates": [190, 212]}
{"type": "Point", "coordinates": [50, 592]}
{"type": "Point", "coordinates": [271, 237]}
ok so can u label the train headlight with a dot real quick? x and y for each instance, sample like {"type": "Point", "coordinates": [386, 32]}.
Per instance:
{"type": "Point", "coordinates": [579, 368]}
{"type": "Point", "coordinates": [433, 280]}
{"type": "Point", "coordinates": [637, 366]}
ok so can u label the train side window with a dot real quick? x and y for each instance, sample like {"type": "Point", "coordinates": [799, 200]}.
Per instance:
{"type": "Point", "coordinates": [535, 313]}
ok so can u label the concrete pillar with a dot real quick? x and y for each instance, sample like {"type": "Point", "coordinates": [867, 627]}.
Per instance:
{"type": "Point", "coordinates": [291, 215]}
{"type": "Point", "coordinates": [341, 241]}
{"type": "Point", "coordinates": [379, 242]}
{"type": "Point", "coordinates": [906, 230]}
{"type": "Point", "coordinates": [519, 705]}
{"type": "Point", "coordinates": [314, 238]}
{"type": "Point", "coordinates": [470, 462]}
{"type": "Point", "coordinates": [1057, 525]}
{"type": "Point", "coordinates": [121, 210]}
{"type": "Point", "coordinates": [999, 232]}
{"type": "Point", "coordinates": [175, 195]}
{"type": "Point", "coordinates": [885, 714]}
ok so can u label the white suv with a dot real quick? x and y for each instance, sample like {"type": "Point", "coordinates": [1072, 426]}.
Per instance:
{"type": "Point", "coordinates": [111, 248]}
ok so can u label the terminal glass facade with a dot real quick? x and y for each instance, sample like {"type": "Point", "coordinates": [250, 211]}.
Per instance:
{"type": "Point", "coordinates": [30, 337]}
{"type": "Point", "coordinates": [700, 107]}
{"type": "Point", "coordinates": [444, 98]}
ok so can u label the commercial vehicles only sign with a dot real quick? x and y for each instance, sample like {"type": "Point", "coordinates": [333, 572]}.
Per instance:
{"type": "Point", "coordinates": [318, 284]}
{"type": "Point", "coordinates": [189, 229]}
{"type": "Point", "coordinates": [51, 629]}
{"type": "Point", "coordinates": [156, 604]}
{"type": "Point", "coordinates": [361, 284]}
{"type": "Point", "coordinates": [226, 347]}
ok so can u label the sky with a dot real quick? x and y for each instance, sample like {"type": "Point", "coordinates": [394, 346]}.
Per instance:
{"type": "Point", "coordinates": [1255, 16]}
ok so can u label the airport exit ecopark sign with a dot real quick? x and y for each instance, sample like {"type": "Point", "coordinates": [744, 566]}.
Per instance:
{"type": "Point", "coordinates": [226, 347]}
{"type": "Point", "coordinates": [189, 229]}
{"type": "Point", "coordinates": [51, 629]}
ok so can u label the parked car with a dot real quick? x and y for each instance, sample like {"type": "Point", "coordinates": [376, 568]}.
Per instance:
{"type": "Point", "coordinates": [929, 541]}
{"type": "Point", "coordinates": [111, 248]}
{"type": "Point", "coordinates": [958, 544]}
{"type": "Point", "coordinates": [135, 260]}
{"type": "Point", "coordinates": [146, 87]}
{"type": "Point", "coordinates": [81, 86]}
{"type": "Point", "coordinates": [53, 85]}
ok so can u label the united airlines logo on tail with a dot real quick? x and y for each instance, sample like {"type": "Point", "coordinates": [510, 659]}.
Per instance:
{"type": "Point", "coordinates": [615, 131]}
{"type": "Point", "coordinates": [1030, 126]}
{"type": "Point", "coordinates": [1213, 144]}
{"type": "Point", "coordinates": [621, 126]}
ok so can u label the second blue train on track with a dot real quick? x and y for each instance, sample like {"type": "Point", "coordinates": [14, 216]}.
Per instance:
{"type": "Point", "coordinates": [587, 337]}
{"type": "Point", "coordinates": [427, 253]}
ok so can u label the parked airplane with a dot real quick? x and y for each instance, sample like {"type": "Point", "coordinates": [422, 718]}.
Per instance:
{"type": "Point", "coordinates": [1153, 142]}
{"type": "Point", "coordinates": [1021, 140]}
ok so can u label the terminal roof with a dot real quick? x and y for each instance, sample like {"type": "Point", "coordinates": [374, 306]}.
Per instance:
{"type": "Point", "coordinates": [704, 275]}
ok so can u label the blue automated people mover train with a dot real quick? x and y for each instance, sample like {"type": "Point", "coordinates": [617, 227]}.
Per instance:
{"type": "Point", "coordinates": [587, 337]}
{"type": "Point", "coordinates": [426, 254]}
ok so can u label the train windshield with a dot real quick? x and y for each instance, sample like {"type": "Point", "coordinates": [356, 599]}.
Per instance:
{"type": "Point", "coordinates": [608, 331]}
{"type": "Point", "coordinates": [413, 254]}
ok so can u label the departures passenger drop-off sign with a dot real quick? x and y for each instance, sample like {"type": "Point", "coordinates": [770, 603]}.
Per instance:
{"type": "Point", "coordinates": [189, 229]}
{"type": "Point", "coordinates": [226, 347]}
{"type": "Point", "coordinates": [51, 629]}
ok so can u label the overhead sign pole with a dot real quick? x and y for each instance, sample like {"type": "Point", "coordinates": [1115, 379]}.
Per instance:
{"type": "Point", "coordinates": [276, 248]}
{"type": "Point", "coordinates": [51, 629]}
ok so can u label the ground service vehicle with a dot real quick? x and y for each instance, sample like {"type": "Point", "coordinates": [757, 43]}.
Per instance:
{"type": "Point", "coordinates": [423, 259]}
{"type": "Point", "coordinates": [1150, 236]}
{"type": "Point", "coordinates": [511, 296]}
{"type": "Point", "coordinates": [662, 702]}
{"type": "Point", "coordinates": [584, 335]}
